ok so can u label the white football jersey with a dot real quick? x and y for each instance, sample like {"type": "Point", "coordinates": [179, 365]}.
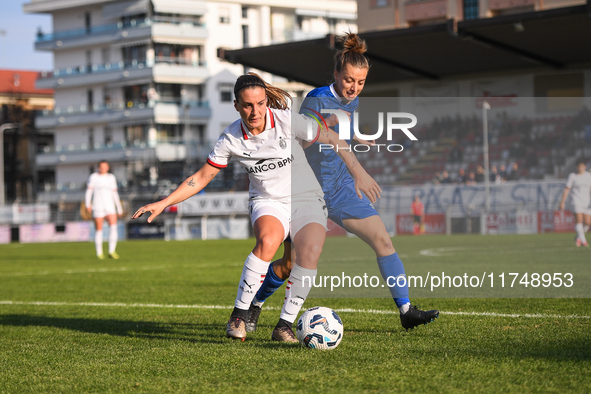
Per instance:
{"type": "Point", "coordinates": [274, 159]}
{"type": "Point", "coordinates": [102, 190]}
{"type": "Point", "coordinates": [580, 187]}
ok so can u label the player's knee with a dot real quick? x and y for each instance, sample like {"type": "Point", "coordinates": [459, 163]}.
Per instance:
{"type": "Point", "coordinates": [269, 243]}
{"type": "Point", "coordinates": [310, 252]}
{"type": "Point", "coordinates": [383, 244]}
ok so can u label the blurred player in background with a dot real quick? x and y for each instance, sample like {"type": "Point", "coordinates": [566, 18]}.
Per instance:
{"type": "Point", "coordinates": [580, 185]}
{"type": "Point", "coordinates": [346, 205]}
{"type": "Point", "coordinates": [417, 210]}
{"type": "Point", "coordinates": [284, 196]}
{"type": "Point", "coordinates": [102, 199]}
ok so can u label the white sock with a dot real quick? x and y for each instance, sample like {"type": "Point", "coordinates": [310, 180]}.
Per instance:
{"type": "Point", "coordinates": [253, 274]}
{"type": "Point", "coordinates": [112, 238]}
{"type": "Point", "coordinates": [580, 232]}
{"type": "Point", "coordinates": [296, 292]}
{"type": "Point", "coordinates": [585, 228]}
{"type": "Point", "coordinates": [258, 303]}
{"type": "Point", "coordinates": [404, 308]}
{"type": "Point", "coordinates": [98, 242]}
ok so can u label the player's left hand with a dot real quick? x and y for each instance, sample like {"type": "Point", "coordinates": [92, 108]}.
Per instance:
{"type": "Point", "coordinates": [366, 184]}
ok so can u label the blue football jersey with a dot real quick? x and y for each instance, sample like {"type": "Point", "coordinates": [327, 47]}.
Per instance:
{"type": "Point", "coordinates": [328, 167]}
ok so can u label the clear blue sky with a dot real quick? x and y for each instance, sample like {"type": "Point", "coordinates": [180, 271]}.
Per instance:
{"type": "Point", "coordinates": [17, 45]}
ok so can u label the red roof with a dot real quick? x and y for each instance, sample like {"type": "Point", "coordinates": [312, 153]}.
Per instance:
{"type": "Point", "coordinates": [21, 82]}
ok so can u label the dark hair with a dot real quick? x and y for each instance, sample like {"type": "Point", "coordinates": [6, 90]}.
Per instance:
{"type": "Point", "coordinates": [351, 52]}
{"type": "Point", "coordinates": [104, 161]}
{"type": "Point", "coordinates": [581, 161]}
{"type": "Point", "coordinates": [276, 98]}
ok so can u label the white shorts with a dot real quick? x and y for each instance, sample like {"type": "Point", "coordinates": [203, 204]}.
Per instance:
{"type": "Point", "coordinates": [293, 215]}
{"type": "Point", "coordinates": [101, 213]}
{"type": "Point", "coordinates": [582, 208]}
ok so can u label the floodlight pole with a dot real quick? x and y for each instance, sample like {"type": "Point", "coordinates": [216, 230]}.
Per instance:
{"type": "Point", "coordinates": [3, 127]}
{"type": "Point", "coordinates": [485, 108]}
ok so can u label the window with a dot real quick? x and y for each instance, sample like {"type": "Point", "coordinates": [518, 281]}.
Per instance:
{"type": "Point", "coordinates": [106, 55]}
{"type": "Point", "coordinates": [90, 100]}
{"type": "Point", "coordinates": [470, 9]}
{"type": "Point", "coordinates": [89, 61]}
{"type": "Point", "coordinates": [379, 3]}
{"type": "Point", "coordinates": [332, 23]}
{"type": "Point", "coordinates": [91, 138]}
{"type": "Point", "coordinates": [87, 22]}
{"type": "Point", "coordinates": [169, 132]}
{"type": "Point", "coordinates": [299, 21]}
{"type": "Point", "coordinates": [244, 11]}
{"type": "Point", "coordinates": [224, 16]}
{"type": "Point", "coordinates": [169, 92]}
{"type": "Point", "coordinates": [135, 54]}
{"type": "Point", "coordinates": [135, 135]}
{"type": "Point", "coordinates": [226, 96]}
{"type": "Point", "coordinates": [108, 134]}
{"type": "Point", "coordinates": [245, 35]}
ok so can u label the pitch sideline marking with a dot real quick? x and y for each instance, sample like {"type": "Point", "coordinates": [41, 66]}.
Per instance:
{"type": "Point", "coordinates": [111, 269]}
{"type": "Point", "coordinates": [342, 310]}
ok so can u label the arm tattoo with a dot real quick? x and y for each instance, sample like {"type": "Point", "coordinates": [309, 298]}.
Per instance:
{"type": "Point", "coordinates": [191, 183]}
{"type": "Point", "coordinates": [354, 163]}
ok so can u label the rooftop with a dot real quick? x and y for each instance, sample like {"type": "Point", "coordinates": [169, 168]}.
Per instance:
{"type": "Point", "coordinates": [21, 82]}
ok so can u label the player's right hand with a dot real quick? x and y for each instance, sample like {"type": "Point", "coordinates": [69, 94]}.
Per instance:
{"type": "Point", "coordinates": [562, 206]}
{"type": "Point", "coordinates": [155, 209]}
{"type": "Point", "coordinates": [89, 209]}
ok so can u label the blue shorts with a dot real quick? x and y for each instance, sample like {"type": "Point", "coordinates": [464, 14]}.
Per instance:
{"type": "Point", "coordinates": [345, 204]}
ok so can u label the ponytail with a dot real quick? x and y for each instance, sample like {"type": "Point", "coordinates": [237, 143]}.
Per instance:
{"type": "Point", "coordinates": [352, 52]}
{"type": "Point", "coordinates": [276, 98]}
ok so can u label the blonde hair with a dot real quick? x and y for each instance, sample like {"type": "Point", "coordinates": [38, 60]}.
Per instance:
{"type": "Point", "coordinates": [276, 98]}
{"type": "Point", "coordinates": [352, 52]}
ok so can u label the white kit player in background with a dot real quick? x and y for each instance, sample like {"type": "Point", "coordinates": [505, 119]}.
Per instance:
{"type": "Point", "coordinates": [284, 195]}
{"type": "Point", "coordinates": [580, 185]}
{"type": "Point", "coordinates": [103, 200]}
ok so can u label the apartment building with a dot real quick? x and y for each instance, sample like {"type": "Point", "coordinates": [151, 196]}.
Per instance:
{"type": "Point", "coordinates": [395, 14]}
{"type": "Point", "coordinates": [139, 83]}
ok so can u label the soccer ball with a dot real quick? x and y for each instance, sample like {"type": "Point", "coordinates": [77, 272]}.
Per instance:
{"type": "Point", "coordinates": [320, 328]}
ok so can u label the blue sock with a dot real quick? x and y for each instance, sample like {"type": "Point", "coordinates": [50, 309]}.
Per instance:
{"type": "Point", "coordinates": [392, 267]}
{"type": "Point", "coordinates": [271, 283]}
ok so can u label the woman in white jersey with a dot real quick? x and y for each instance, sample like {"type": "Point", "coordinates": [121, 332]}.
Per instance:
{"type": "Point", "coordinates": [285, 197]}
{"type": "Point", "coordinates": [580, 185]}
{"type": "Point", "coordinates": [103, 200]}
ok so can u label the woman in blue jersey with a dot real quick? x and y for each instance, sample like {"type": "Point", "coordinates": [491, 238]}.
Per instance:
{"type": "Point", "coordinates": [347, 206]}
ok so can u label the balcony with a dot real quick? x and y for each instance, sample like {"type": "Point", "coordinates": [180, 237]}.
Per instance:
{"type": "Point", "coordinates": [84, 154]}
{"type": "Point", "coordinates": [120, 113]}
{"type": "Point", "coordinates": [165, 29]}
{"type": "Point", "coordinates": [171, 149]}
{"type": "Point", "coordinates": [161, 69]}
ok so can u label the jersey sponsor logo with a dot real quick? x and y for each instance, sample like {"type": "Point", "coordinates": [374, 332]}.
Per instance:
{"type": "Point", "coordinates": [247, 153]}
{"type": "Point", "coordinates": [260, 167]}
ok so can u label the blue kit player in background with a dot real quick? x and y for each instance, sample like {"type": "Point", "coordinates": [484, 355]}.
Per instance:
{"type": "Point", "coordinates": [347, 206]}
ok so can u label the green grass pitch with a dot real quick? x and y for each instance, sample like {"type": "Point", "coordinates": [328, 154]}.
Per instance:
{"type": "Point", "coordinates": [154, 321]}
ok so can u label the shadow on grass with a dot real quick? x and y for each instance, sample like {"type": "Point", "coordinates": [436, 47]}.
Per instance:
{"type": "Point", "coordinates": [210, 333]}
